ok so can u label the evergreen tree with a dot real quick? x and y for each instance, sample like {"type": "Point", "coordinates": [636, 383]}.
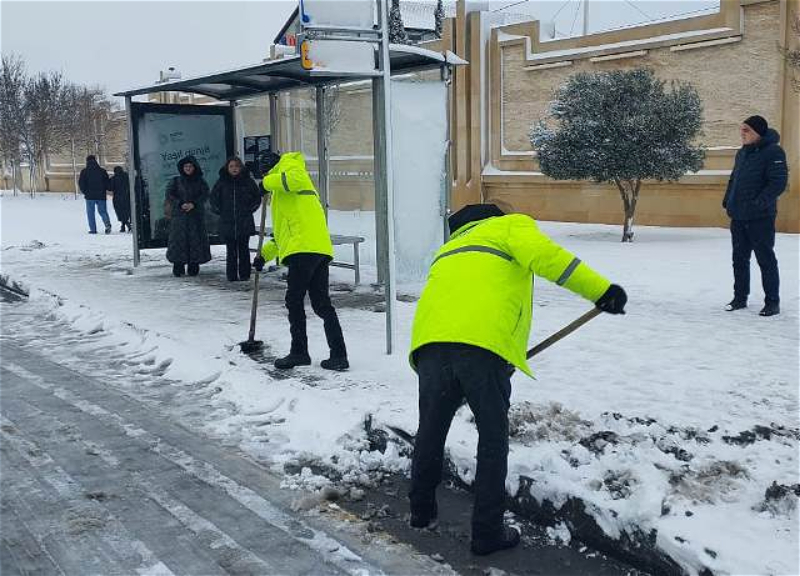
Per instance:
{"type": "Point", "coordinates": [438, 16]}
{"type": "Point", "coordinates": [397, 31]}
{"type": "Point", "coordinates": [622, 127]}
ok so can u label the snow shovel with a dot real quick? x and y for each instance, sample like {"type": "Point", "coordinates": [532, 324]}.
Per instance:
{"type": "Point", "coordinates": [252, 345]}
{"type": "Point", "coordinates": [565, 331]}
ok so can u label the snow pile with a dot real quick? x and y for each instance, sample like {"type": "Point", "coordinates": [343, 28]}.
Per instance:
{"type": "Point", "coordinates": [678, 418]}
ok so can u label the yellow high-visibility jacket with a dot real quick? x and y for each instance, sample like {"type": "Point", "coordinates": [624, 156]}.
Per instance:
{"type": "Point", "coordinates": [479, 288]}
{"type": "Point", "coordinates": [298, 220]}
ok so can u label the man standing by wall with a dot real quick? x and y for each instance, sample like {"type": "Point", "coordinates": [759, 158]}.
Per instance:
{"type": "Point", "coordinates": [759, 176]}
{"type": "Point", "coordinates": [93, 183]}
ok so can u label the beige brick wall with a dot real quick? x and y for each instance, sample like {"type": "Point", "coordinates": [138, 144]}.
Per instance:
{"type": "Point", "coordinates": [738, 72]}
{"type": "Point", "coordinates": [734, 80]}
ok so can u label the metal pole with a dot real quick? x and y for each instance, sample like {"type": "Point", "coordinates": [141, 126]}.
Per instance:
{"type": "Point", "coordinates": [447, 187]}
{"type": "Point", "coordinates": [585, 17]}
{"type": "Point", "coordinates": [322, 148]}
{"type": "Point", "coordinates": [132, 184]}
{"type": "Point", "coordinates": [379, 156]}
{"type": "Point", "coordinates": [238, 130]}
{"type": "Point", "coordinates": [274, 128]}
{"type": "Point", "coordinates": [390, 288]}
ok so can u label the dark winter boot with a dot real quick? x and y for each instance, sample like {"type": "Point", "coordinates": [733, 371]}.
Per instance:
{"type": "Point", "coordinates": [508, 538]}
{"type": "Point", "coordinates": [735, 304]}
{"type": "Point", "coordinates": [292, 360]}
{"type": "Point", "coordinates": [108, 228]}
{"type": "Point", "coordinates": [194, 269]}
{"type": "Point", "coordinates": [339, 364]}
{"type": "Point", "coordinates": [771, 309]}
{"type": "Point", "coordinates": [427, 520]}
{"type": "Point", "coordinates": [178, 270]}
{"type": "Point", "coordinates": [122, 227]}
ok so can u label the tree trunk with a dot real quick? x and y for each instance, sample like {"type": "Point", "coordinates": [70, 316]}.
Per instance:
{"type": "Point", "coordinates": [629, 192]}
{"type": "Point", "coordinates": [74, 167]}
{"type": "Point", "coordinates": [14, 177]}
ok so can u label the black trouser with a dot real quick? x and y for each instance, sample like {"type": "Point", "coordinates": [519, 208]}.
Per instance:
{"type": "Point", "coordinates": [757, 236]}
{"type": "Point", "coordinates": [309, 273]}
{"type": "Point", "coordinates": [448, 374]}
{"type": "Point", "coordinates": [237, 261]}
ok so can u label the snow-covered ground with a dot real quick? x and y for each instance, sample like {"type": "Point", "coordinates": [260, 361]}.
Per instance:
{"type": "Point", "coordinates": [676, 417]}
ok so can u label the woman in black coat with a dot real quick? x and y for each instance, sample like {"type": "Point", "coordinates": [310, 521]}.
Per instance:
{"type": "Point", "coordinates": [235, 197]}
{"type": "Point", "coordinates": [120, 187]}
{"type": "Point", "coordinates": [185, 206]}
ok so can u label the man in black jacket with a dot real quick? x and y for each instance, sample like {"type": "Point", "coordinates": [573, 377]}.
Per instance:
{"type": "Point", "coordinates": [93, 183]}
{"type": "Point", "coordinates": [759, 176]}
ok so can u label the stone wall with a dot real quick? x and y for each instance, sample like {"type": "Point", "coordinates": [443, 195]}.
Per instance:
{"type": "Point", "coordinates": [733, 58]}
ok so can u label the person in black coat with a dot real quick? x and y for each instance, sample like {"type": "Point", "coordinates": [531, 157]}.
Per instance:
{"type": "Point", "coordinates": [93, 183]}
{"type": "Point", "coordinates": [185, 201]}
{"type": "Point", "coordinates": [759, 176]}
{"type": "Point", "coordinates": [235, 197]}
{"type": "Point", "coordinates": [120, 188]}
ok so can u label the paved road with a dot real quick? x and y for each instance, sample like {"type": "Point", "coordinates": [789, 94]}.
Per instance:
{"type": "Point", "coordinates": [96, 482]}
{"type": "Point", "coordinates": [98, 478]}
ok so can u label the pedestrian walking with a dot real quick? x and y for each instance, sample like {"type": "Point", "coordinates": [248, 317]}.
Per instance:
{"type": "Point", "coordinates": [93, 184]}
{"type": "Point", "coordinates": [119, 186]}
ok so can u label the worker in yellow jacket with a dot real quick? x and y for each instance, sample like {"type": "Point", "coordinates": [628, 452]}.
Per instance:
{"type": "Point", "coordinates": [471, 326]}
{"type": "Point", "coordinates": [302, 242]}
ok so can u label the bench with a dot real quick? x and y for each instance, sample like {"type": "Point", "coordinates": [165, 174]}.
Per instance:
{"type": "Point", "coordinates": [338, 240]}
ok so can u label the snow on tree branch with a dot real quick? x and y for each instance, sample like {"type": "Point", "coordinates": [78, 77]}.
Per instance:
{"type": "Point", "coordinates": [622, 126]}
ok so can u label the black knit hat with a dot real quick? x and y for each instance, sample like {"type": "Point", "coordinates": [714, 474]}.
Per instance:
{"type": "Point", "coordinates": [758, 123]}
{"type": "Point", "coordinates": [472, 213]}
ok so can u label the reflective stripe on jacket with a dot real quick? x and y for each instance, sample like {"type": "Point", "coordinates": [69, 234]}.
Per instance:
{"type": "Point", "coordinates": [298, 220]}
{"type": "Point", "coordinates": [480, 285]}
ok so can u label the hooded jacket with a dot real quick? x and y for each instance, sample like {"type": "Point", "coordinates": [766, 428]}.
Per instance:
{"type": "Point", "coordinates": [298, 220]}
{"type": "Point", "coordinates": [235, 200]}
{"type": "Point", "coordinates": [119, 186]}
{"type": "Point", "coordinates": [480, 286]}
{"type": "Point", "coordinates": [759, 176]}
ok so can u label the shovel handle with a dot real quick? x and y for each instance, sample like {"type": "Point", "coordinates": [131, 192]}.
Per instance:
{"type": "Point", "coordinates": [565, 331]}
{"type": "Point", "coordinates": [254, 308]}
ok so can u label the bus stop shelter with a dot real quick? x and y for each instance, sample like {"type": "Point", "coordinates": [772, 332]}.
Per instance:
{"type": "Point", "coordinates": [270, 79]}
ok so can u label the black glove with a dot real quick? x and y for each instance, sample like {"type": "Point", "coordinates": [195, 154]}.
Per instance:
{"type": "Point", "coordinates": [267, 161]}
{"type": "Point", "coordinates": [258, 263]}
{"type": "Point", "coordinates": [613, 301]}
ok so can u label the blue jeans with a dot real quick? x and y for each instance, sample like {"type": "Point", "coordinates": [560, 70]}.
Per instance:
{"type": "Point", "coordinates": [101, 208]}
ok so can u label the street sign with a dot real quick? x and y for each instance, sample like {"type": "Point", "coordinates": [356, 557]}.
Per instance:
{"type": "Point", "coordinates": [337, 13]}
{"type": "Point", "coordinates": [338, 57]}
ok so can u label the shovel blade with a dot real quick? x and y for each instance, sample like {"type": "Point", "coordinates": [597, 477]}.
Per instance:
{"type": "Point", "coordinates": [251, 346]}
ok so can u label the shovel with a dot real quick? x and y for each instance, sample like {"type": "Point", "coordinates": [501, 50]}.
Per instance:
{"type": "Point", "coordinates": [565, 331]}
{"type": "Point", "coordinates": [252, 345]}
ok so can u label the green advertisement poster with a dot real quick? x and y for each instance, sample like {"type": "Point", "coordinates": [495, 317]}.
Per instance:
{"type": "Point", "coordinates": [164, 135]}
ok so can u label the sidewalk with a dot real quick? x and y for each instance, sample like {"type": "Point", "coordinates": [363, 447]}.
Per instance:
{"type": "Point", "coordinates": [668, 425]}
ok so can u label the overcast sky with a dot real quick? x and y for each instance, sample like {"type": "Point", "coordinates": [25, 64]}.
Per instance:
{"type": "Point", "coordinates": [120, 44]}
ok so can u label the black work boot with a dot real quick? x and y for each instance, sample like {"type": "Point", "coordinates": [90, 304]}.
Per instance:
{"type": "Point", "coordinates": [194, 269]}
{"type": "Point", "coordinates": [337, 363]}
{"type": "Point", "coordinates": [293, 359]}
{"type": "Point", "coordinates": [508, 538]}
{"type": "Point", "coordinates": [770, 309]}
{"type": "Point", "coordinates": [425, 520]}
{"type": "Point", "coordinates": [178, 270]}
{"type": "Point", "coordinates": [736, 304]}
